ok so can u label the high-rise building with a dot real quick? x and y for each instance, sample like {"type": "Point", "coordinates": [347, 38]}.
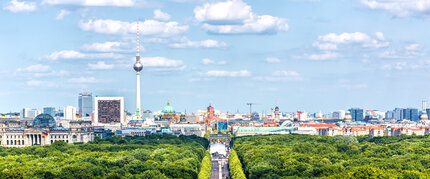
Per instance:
{"type": "Point", "coordinates": [33, 113]}
{"type": "Point", "coordinates": [109, 112]}
{"type": "Point", "coordinates": [24, 112]}
{"type": "Point", "coordinates": [357, 114]}
{"type": "Point", "coordinates": [69, 113]}
{"type": "Point", "coordinates": [389, 115]}
{"type": "Point", "coordinates": [50, 110]}
{"type": "Point", "coordinates": [138, 67]}
{"type": "Point", "coordinates": [398, 114]}
{"type": "Point", "coordinates": [85, 104]}
{"type": "Point", "coordinates": [424, 116]}
{"type": "Point", "coordinates": [339, 114]}
{"type": "Point", "coordinates": [410, 114]}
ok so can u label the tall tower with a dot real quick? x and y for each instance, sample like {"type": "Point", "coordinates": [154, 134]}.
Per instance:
{"type": "Point", "coordinates": [424, 115]}
{"type": "Point", "coordinates": [277, 114]}
{"type": "Point", "coordinates": [138, 67]}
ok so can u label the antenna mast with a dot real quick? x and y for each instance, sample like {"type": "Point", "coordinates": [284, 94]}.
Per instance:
{"type": "Point", "coordinates": [137, 38]}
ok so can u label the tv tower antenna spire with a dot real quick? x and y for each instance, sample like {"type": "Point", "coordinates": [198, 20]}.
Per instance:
{"type": "Point", "coordinates": [138, 67]}
{"type": "Point", "coordinates": [137, 38]}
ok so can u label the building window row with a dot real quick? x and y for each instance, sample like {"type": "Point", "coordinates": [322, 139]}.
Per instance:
{"type": "Point", "coordinates": [14, 137]}
{"type": "Point", "coordinates": [15, 142]}
{"type": "Point", "coordinates": [59, 136]}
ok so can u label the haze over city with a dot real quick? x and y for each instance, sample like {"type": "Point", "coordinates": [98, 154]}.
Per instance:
{"type": "Point", "coordinates": [299, 54]}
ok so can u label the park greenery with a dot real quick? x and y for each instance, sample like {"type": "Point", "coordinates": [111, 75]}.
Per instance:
{"type": "Point", "coordinates": [206, 166]}
{"type": "Point", "coordinates": [153, 156]}
{"type": "Point", "coordinates": [236, 171]}
{"type": "Point", "coordinates": [304, 156]}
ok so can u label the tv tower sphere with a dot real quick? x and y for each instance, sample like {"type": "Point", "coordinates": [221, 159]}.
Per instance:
{"type": "Point", "coordinates": [137, 66]}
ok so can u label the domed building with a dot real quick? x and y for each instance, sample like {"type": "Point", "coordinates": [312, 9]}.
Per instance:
{"type": "Point", "coordinates": [277, 114]}
{"type": "Point", "coordinates": [168, 113]}
{"type": "Point", "coordinates": [43, 130]}
{"type": "Point", "coordinates": [348, 117]}
{"type": "Point", "coordinates": [44, 121]}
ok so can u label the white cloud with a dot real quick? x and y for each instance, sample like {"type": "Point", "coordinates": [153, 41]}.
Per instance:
{"type": "Point", "coordinates": [72, 54]}
{"type": "Point", "coordinates": [236, 17]}
{"type": "Point", "coordinates": [409, 51]}
{"type": "Point", "coordinates": [38, 68]}
{"type": "Point", "coordinates": [40, 83]}
{"type": "Point", "coordinates": [161, 62]}
{"type": "Point", "coordinates": [221, 73]}
{"type": "Point", "coordinates": [207, 61]}
{"type": "Point", "coordinates": [330, 41]}
{"type": "Point", "coordinates": [62, 14]}
{"type": "Point", "coordinates": [281, 75]}
{"type": "Point", "coordinates": [325, 46]}
{"type": "Point", "coordinates": [110, 47]}
{"type": "Point", "coordinates": [186, 43]}
{"type": "Point", "coordinates": [119, 3]}
{"type": "Point", "coordinates": [83, 80]}
{"type": "Point", "coordinates": [400, 8]}
{"type": "Point", "coordinates": [20, 6]}
{"type": "Point", "coordinates": [413, 47]}
{"type": "Point", "coordinates": [322, 56]}
{"type": "Point", "coordinates": [100, 65]}
{"type": "Point", "coordinates": [160, 15]}
{"type": "Point", "coordinates": [148, 27]}
{"type": "Point", "coordinates": [229, 12]}
{"type": "Point", "coordinates": [273, 60]}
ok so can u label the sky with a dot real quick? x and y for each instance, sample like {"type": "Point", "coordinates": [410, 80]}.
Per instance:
{"type": "Point", "coordinates": [311, 55]}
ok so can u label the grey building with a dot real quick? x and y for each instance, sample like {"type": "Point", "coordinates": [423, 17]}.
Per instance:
{"type": "Point", "coordinates": [398, 114]}
{"type": "Point", "coordinates": [85, 104]}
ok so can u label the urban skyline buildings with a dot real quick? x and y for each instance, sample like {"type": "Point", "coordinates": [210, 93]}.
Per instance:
{"type": "Point", "coordinates": [302, 62]}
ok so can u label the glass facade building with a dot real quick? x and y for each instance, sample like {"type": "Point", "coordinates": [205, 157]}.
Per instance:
{"type": "Point", "coordinates": [50, 110]}
{"type": "Point", "coordinates": [85, 104]}
{"type": "Point", "coordinates": [356, 114]}
{"type": "Point", "coordinates": [410, 114]}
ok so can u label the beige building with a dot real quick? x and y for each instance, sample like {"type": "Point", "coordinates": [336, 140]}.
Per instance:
{"type": "Point", "coordinates": [41, 131]}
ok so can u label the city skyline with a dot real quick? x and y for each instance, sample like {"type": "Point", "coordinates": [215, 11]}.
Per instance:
{"type": "Point", "coordinates": [360, 53]}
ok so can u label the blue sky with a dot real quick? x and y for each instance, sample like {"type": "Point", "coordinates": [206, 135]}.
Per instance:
{"type": "Point", "coordinates": [307, 55]}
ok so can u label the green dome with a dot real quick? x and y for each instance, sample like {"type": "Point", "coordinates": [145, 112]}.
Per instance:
{"type": "Point", "coordinates": [168, 108]}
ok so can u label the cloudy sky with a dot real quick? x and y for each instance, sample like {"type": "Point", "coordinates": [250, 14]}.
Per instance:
{"type": "Point", "coordinates": [300, 54]}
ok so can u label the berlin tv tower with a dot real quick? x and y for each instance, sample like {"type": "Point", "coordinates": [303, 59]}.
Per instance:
{"type": "Point", "coordinates": [138, 67]}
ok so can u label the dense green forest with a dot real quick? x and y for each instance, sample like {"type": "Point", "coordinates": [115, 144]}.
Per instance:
{"type": "Point", "coordinates": [153, 156]}
{"type": "Point", "coordinates": [304, 156]}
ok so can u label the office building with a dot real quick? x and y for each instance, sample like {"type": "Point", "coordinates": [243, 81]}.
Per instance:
{"type": "Point", "coordinates": [32, 113]}
{"type": "Point", "coordinates": [109, 112]}
{"type": "Point", "coordinates": [50, 110]}
{"type": "Point", "coordinates": [339, 114]}
{"type": "Point", "coordinates": [85, 106]}
{"type": "Point", "coordinates": [357, 114]}
{"type": "Point", "coordinates": [69, 113]}
{"type": "Point", "coordinates": [398, 114]}
{"type": "Point", "coordinates": [410, 114]}
{"type": "Point", "coordinates": [24, 112]}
